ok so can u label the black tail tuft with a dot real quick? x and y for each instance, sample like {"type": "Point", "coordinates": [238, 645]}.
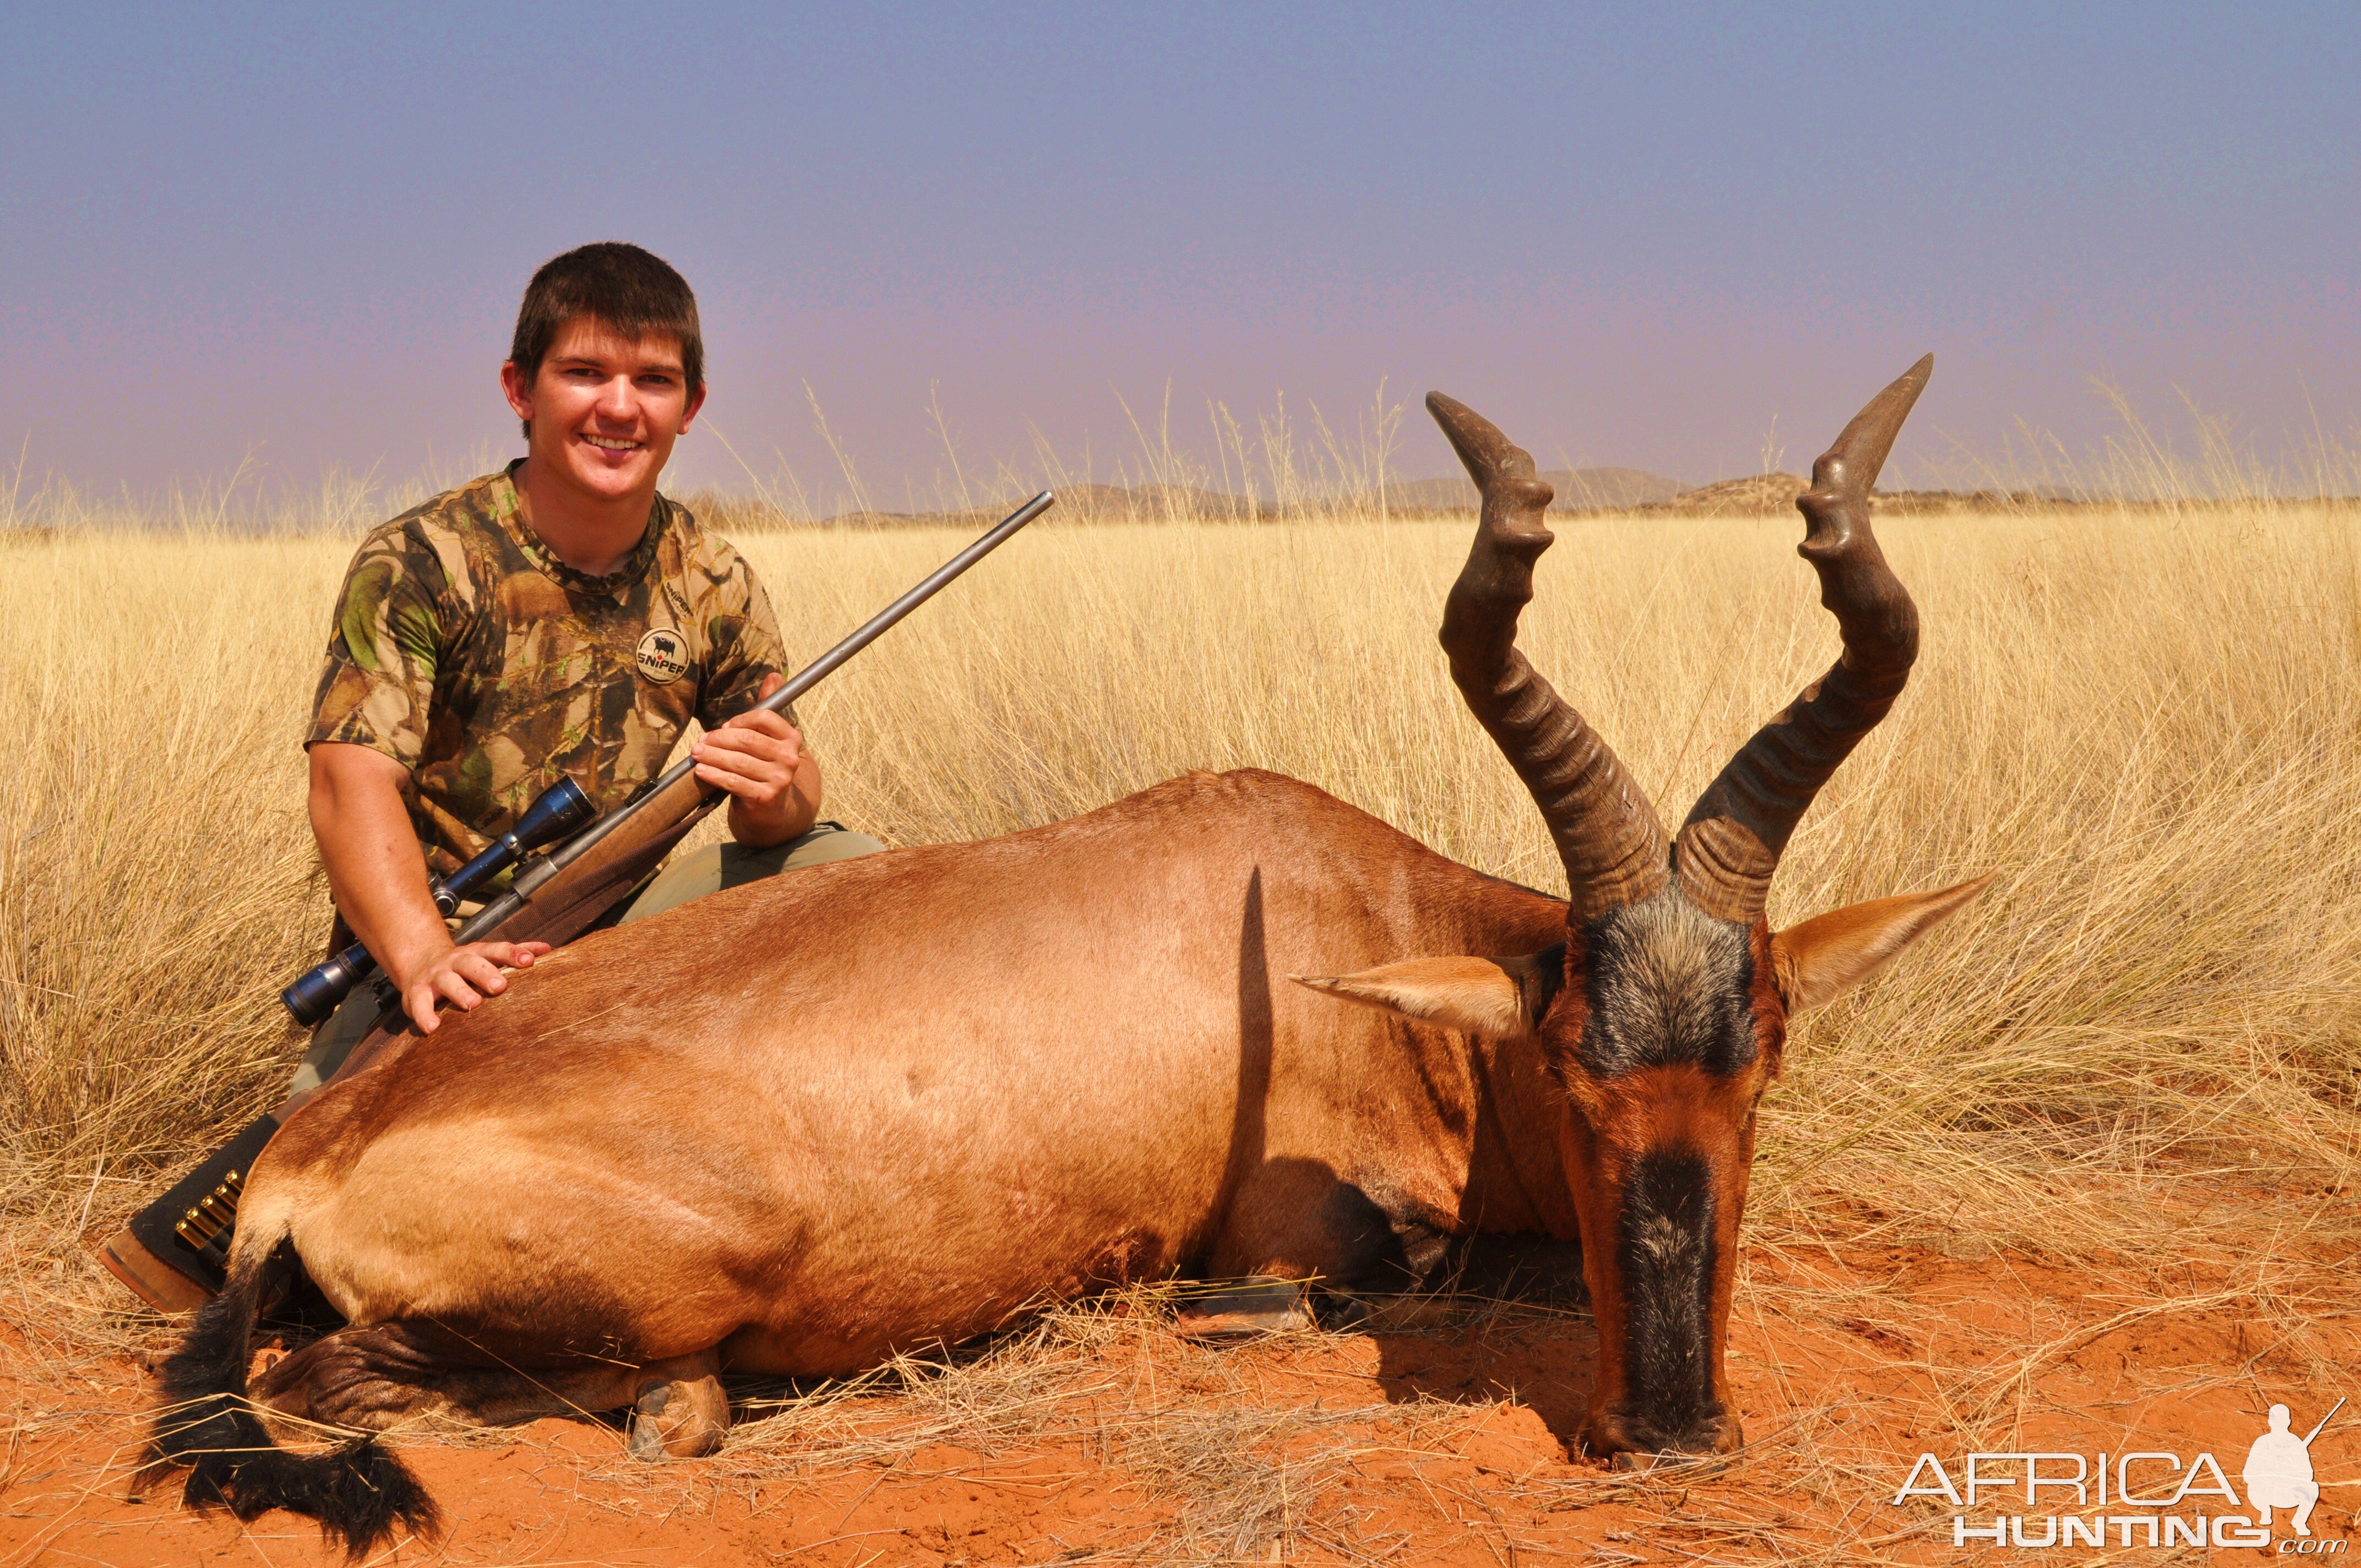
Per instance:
{"type": "Point", "coordinates": [360, 1493]}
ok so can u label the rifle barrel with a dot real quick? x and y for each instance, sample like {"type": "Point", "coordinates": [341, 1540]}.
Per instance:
{"type": "Point", "coordinates": [496, 913]}
{"type": "Point", "coordinates": [2323, 1422]}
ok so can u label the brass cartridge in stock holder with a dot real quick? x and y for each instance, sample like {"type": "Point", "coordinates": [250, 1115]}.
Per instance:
{"type": "Point", "coordinates": [206, 1227]}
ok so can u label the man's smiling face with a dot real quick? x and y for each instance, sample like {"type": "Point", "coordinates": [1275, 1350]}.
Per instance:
{"type": "Point", "coordinates": [605, 409]}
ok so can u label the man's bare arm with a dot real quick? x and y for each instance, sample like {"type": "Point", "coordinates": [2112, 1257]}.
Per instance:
{"type": "Point", "coordinates": [377, 874]}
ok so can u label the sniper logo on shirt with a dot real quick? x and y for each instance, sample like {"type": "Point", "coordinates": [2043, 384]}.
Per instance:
{"type": "Point", "coordinates": [663, 656]}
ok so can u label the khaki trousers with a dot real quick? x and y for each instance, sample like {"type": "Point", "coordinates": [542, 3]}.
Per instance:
{"type": "Point", "coordinates": [683, 878]}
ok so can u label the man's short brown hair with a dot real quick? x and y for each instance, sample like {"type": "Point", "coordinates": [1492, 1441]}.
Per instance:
{"type": "Point", "coordinates": [633, 293]}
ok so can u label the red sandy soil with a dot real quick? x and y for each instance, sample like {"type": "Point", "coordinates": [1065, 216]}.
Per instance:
{"type": "Point", "coordinates": [1440, 1446]}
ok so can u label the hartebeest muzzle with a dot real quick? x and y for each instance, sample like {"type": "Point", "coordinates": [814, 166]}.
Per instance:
{"type": "Point", "coordinates": [1663, 1015]}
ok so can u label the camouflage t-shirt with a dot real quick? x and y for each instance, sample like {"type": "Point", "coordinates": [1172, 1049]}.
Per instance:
{"type": "Point", "coordinates": [467, 651]}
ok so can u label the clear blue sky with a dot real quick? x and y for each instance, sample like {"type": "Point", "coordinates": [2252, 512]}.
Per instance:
{"type": "Point", "coordinates": [1630, 234]}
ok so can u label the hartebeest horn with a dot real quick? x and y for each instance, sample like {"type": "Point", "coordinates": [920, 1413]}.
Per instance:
{"type": "Point", "coordinates": [1606, 830]}
{"type": "Point", "coordinates": [1730, 843]}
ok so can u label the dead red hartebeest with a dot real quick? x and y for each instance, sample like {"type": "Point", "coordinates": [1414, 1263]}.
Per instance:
{"type": "Point", "coordinates": [889, 1102]}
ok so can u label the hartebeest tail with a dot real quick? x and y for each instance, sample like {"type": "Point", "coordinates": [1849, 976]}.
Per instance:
{"type": "Point", "coordinates": [358, 1492]}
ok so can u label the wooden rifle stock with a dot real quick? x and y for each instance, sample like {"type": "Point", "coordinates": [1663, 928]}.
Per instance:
{"type": "Point", "coordinates": [574, 899]}
{"type": "Point", "coordinates": [555, 898]}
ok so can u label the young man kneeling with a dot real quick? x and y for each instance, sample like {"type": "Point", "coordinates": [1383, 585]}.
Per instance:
{"type": "Point", "coordinates": [559, 618]}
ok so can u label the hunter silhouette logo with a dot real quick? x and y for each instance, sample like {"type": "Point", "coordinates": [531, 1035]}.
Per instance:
{"type": "Point", "coordinates": [663, 657]}
{"type": "Point", "coordinates": [2147, 1498]}
{"type": "Point", "coordinates": [2279, 1471]}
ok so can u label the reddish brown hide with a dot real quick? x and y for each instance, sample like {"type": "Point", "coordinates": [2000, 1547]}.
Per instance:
{"type": "Point", "coordinates": [941, 1083]}
{"type": "Point", "coordinates": [887, 1103]}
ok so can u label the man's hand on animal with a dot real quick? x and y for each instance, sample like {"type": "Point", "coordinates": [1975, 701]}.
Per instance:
{"type": "Point", "coordinates": [376, 872]}
{"type": "Point", "coordinates": [464, 977]}
{"type": "Point", "coordinates": [773, 782]}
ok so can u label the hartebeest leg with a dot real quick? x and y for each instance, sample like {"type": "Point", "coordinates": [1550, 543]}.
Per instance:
{"type": "Point", "coordinates": [372, 1377]}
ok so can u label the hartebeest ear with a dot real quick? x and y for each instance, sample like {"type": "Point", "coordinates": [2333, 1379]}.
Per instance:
{"type": "Point", "coordinates": [1498, 997]}
{"type": "Point", "coordinates": [1830, 954]}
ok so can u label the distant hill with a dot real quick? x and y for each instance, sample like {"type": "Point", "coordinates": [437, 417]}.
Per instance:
{"type": "Point", "coordinates": [1578, 490]}
{"type": "Point", "coordinates": [1774, 495]}
{"type": "Point", "coordinates": [1756, 495]}
{"type": "Point", "coordinates": [1076, 503]}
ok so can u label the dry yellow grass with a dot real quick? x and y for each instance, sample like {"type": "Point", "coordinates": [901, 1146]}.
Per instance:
{"type": "Point", "coordinates": [2145, 722]}
{"type": "Point", "coordinates": [2146, 1039]}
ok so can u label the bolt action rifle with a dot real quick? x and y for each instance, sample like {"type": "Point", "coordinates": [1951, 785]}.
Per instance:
{"type": "Point", "coordinates": [175, 1254]}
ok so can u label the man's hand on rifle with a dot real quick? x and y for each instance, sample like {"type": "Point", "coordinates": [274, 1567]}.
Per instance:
{"type": "Point", "coordinates": [773, 783]}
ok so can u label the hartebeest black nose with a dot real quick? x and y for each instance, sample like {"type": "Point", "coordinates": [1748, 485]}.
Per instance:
{"type": "Point", "coordinates": [1664, 1259]}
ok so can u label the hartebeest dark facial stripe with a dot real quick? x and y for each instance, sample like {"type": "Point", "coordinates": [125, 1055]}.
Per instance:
{"type": "Point", "coordinates": [1665, 1251]}
{"type": "Point", "coordinates": [1667, 986]}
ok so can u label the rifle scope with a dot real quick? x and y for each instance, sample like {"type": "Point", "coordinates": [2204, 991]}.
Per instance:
{"type": "Point", "coordinates": [555, 813]}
